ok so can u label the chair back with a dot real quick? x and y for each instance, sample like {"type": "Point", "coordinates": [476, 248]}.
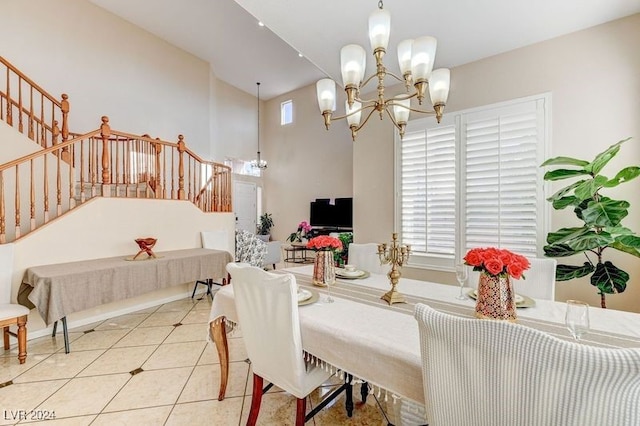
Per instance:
{"type": "Point", "coordinates": [365, 257]}
{"type": "Point", "coordinates": [489, 373]}
{"type": "Point", "coordinates": [217, 240]}
{"type": "Point", "coordinates": [539, 282]}
{"type": "Point", "coordinates": [267, 307]}
{"type": "Point", "coordinates": [249, 248]}
{"type": "Point", "coordinates": [6, 271]}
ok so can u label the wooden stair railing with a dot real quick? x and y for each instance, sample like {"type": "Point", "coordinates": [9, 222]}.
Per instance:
{"type": "Point", "coordinates": [31, 110]}
{"type": "Point", "coordinates": [106, 163]}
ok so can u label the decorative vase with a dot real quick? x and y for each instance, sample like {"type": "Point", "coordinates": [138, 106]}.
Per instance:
{"type": "Point", "coordinates": [495, 298]}
{"type": "Point", "coordinates": [324, 272]}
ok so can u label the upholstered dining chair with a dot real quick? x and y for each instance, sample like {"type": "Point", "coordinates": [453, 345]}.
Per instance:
{"type": "Point", "coordinates": [249, 248]}
{"type": "Point", "coordinates": [539, 282]}
{"type": "Point", "coordinates": [217, 240]}
{"type": "Point", "coordinates": [267, 307]}
{"type": "Point", "coordinates": [493, 373]}
{"type": "Point", "coordinates": [365, 257]}
{"type": "Point", "coordinates": [11, 313]}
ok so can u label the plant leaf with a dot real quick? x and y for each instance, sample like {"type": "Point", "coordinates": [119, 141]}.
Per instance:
{"type": "Point", "coordinates": [628, 244]}
{"type": "Point", "coordinates": [623, 175]}
{"type": "Point", "coordinates": [563, 174]}
{"type": "Point", "coordinates": [589, 240]}
{"type": "Point", "coordinates": [569, 272]}
{"type": "Point", "coordinates": [603, 158]}
{"type": "Point", "coordinates": [606, 212]}
{"type": "Point", "coordinates": [565, 233]}
{"type": "Point", "coordinates": [588, 188]}
{"type": "Point", "coordinates": [562, 192]}
{"type": "Point", "coordinates": [609, 279]}
{"type": "Point", "coordinates": [580, 207]}
{"type": "Point", "coordinates": [567, 161]}
{"type": "Point", "coordinates": [563, 202]}
{"type": "Point", "coordinates": [559, 250]}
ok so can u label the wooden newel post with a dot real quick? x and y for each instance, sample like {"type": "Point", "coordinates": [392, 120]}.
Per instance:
{"type": "Point", "coordinates": [158, 188]}
{"type": "Point", "coordinates": [105, 132]}
{"type": "Point", "coordinates": [181, 149]}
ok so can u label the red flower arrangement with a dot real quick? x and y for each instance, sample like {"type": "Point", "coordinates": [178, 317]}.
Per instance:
{"type": "Point", "coordinates": [494, 261]}
{"type": "Point", "coordinates": [325, 242]}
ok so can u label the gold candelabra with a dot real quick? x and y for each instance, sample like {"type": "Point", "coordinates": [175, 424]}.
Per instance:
{"type": "Point", "coordinates": [396, 255]}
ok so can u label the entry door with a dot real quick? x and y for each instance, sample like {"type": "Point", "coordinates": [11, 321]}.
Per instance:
{"type": "Point", "coordinates": [245, 205]}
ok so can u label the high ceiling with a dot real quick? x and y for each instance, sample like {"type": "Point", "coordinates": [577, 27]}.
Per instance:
{"type": "Point", "coordinates": [226, 34]}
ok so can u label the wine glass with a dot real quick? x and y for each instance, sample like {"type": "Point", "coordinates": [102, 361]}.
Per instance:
{"type": "Point", "coordinates": [577, 318]}
{"type": "Point", "coordinates": [329, 284]}
{"type": "Point", "coordinates": [461, 276]}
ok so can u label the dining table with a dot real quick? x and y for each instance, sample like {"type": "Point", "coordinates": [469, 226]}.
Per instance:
{"type": "Point", "coordinates": [361, 335]}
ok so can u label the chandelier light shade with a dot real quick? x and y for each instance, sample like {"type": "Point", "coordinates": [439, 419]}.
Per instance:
{"type": "Point", "coordinates": [259, 163]}
{"type": "Point", "coordinates": [416, 59]}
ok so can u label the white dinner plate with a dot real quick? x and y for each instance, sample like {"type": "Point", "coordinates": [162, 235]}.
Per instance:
{"type": "Point", "coordinates": [349, 274]}
{"type": "Point", "coordinates": [304, 295]}
{"type": "Point", "coordinates": [520, 300]}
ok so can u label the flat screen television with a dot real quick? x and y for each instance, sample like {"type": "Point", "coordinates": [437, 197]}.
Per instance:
{"type": "Point", "coordinates": [326, 213]}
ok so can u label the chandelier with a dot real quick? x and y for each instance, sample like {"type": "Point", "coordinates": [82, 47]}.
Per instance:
{"type": "Point", "coordinates": [416, 58]}
{"type": "Point", "coordinates": [259, 163]}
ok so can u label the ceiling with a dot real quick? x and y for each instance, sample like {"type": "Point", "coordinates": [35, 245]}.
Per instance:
{"type": "Point", "coordinates": [226, 34]}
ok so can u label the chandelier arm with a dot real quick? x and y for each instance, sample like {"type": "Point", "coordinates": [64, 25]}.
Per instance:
{"type": "Point", "coordinates": [340, 117]}
{"type": "Point", "coordinates": [366, 119]}
{"type": "Point", "coordinates": [391, 103]}
{"type": "Point", "coordinates": [393, 120]}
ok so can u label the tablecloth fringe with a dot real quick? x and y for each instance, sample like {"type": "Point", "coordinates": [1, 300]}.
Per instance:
{"type": "Point", "coordinates": [374, 389]}
{"type": "Point", "coordinates": [230, 326]}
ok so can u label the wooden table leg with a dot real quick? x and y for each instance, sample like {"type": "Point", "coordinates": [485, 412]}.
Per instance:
{"type": "Point", "coordinates": [219, 335]}
{"type": "Point", "coordinates": [22, 339]}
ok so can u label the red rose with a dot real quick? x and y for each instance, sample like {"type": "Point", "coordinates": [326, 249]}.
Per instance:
{"type": "Point", "coordinates": [506, 257]}
{"type": "Point", "coordinates": [474, 257]}
{"type": "Point", "coordinates": [494, 265]}
{"type": "Point", "coordinates": [515, 270]}
{"type": "Point", "coordinates": [491, 253]}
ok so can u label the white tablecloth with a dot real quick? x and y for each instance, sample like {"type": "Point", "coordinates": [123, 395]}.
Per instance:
{"type": "Point", "coordinates": [362, 335]}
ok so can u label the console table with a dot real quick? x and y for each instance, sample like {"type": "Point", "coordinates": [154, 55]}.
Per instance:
{"type": "Point", "coordinates": [292, 251]}
{"type": "Point", "coordinates": [61, 289]}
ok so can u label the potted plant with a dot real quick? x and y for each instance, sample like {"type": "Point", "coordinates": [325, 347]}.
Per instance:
{"type": "Point", "coordinates": [265, 225]}
{"type": "Point", "coordinates": [600, 218]}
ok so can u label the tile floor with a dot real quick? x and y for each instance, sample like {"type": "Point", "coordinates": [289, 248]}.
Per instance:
{"type": "Point", "coordinates": [151, 367]}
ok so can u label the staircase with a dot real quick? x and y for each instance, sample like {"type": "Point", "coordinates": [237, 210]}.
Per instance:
{"type": "Point", "coordinates": [65, 170]}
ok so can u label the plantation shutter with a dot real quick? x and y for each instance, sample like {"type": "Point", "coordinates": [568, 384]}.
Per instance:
{"type": "Point", "coordinates": [428, 180]}
{"type": "Point", "coordinates": [501, 178]}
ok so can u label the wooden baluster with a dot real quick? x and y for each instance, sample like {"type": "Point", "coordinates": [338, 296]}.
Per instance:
{"type": "Point", "coordinates": [64, 106]}
{"type": "Point", "coordinates": [158, 151]}
{"type": "Point", "coordinates": [9, 103]}
{"type": "Point", "coordinates": [173, 179]}
{"type": "Point", "coordinates": [32, 197]}
{"type": "Point", "coordinates": [58, 186]}
{"type": "Point", "coordinates": [17, 202]}
{"type": "Point", "coordinates": [105, 132]}
{"type": "Point", "coordinates": [164, 174]}
{"type": "Point", "coordinates": [45, 184]}
{"type": "Point", "coordinates": [55, 132]}
{"type": "Point", "coordinates": [117, 172]}
{"type": "Point", "coordinates": [82, 196]}
{"type": "Point", "coordinates": [72, 198]}
{"type": "Point", "coordinates": [20, 127]}
{"type": "Point", "coordinates": [189, 179]}
{"type": "Point", "coordinates": [3, 233]}
{"type": "Point", "coordinates": [31, 113]}
{"type": "Point", "coordinates": [41, 127]}
{"type": "Point", "coordinates": [181, 149]}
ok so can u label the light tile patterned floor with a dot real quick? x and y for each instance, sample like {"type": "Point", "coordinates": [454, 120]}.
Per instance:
{"type": "Point", "coordinates": [94, 384]}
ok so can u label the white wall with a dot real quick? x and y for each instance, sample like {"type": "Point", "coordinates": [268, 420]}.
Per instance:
{"type": "Point", "coordinates": [305, 161]}
{"type": "Point", "coordinates": [108, 66]}
{"type": "Point", "coordinates": [107, 227]}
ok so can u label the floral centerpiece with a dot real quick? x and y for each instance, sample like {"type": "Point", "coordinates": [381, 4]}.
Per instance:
{"type": "Point", "coordinates": [496, 262]}
{"type": "Point", "coordinates": [495, 296]}
{"type": "Point", "coordinates": [303, 230]}
{"type": "Point", "coordinates": [324, 272]}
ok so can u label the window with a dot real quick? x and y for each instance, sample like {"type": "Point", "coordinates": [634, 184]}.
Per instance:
{"type": "Point", "coordinates": [286, 112]}
{"type": "Point", "coordinates": [242, 167]}
{"type": "Point", "coordinates": [473, 181]}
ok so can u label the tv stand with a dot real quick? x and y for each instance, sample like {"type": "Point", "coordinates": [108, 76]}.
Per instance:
{"type": "Point", "coordinates": [326, 230]}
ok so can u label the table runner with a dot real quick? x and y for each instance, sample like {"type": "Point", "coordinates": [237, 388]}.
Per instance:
{"type": "Point", "coordinates": [364, 336]}
{"type": "Point", "coordinates": [61, 289]}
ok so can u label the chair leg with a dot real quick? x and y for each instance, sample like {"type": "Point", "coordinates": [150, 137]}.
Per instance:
{"type": "Point", "coordinates": [301, 408]}
{"type": "Point", "coordinates": [195, 287]}
{"type": "Point", "coordinates": [22, 339]}
{"type": "Point", "coordinates": [5, 333]}
{"type": "Point", "coordinates": [256, 399]}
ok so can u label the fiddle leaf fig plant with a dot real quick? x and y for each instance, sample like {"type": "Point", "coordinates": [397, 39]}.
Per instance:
{"type": "Point", "coordinates": [600, 218]}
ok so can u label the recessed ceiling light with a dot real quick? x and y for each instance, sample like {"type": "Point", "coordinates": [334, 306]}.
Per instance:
{"type": "Point", "coordinates": [300, 55]}
{"type": "Point", "coordinates": [260, 23]}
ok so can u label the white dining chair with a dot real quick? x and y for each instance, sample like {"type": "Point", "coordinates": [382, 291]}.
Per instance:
{"type": "Point", "coordinates": [267, 308]}
{"type": "Point", "coordinates": [217, 240]}
{"type": "Point", "coordinates": [494, 373]}
{"type": "Point", "coordinates": [10, 313]}
{"type": "Point", "coordinates": [365, 257]}
{"type": "Point", "coordinates": [539, 282]}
